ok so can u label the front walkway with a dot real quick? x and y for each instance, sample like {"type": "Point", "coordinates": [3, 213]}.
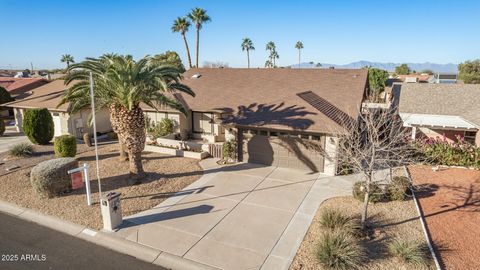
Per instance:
{"type": "Point", "coordinates": [243, 216]}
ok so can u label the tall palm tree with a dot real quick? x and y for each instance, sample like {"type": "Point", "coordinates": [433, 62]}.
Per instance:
{"type": "Point", "coordinates": [299, 46]}
{"type": "Point", "coordinates": [198, 16]}
{"type": "Point", "coordinates": [181, 25]}
{"type": "Point", "coordinates": [67, 58]}
{"type": "Point", "coordinates": [247, 45]}
{"type": "Point", "coordinates": [121, 84]}
{"type": "Point", "coordinates": [272, 49]}
{"type": "Point", "coordinates": [274, 56]}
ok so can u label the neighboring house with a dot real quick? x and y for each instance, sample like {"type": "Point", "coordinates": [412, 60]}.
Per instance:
{"type": "Point", "coordinates": [444, 78]}
{"type": "Point", "coordinates": [414, 78]}
{"type": "Point", "coordinates": [18, 87]}
{"type": "Point", "coordinates": [281, 117]}
{"type": "Point", "coordinates": [440, 110]}
{"type": "Point", "coordinates": [48, 96]}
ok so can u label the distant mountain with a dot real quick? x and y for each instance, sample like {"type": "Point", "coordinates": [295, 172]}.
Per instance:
{"type": "Point", "coordinates": [440, 68]}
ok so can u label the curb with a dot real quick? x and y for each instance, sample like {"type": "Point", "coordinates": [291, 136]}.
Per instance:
{"type": "Point", "coordinates": [422, 221]}
{"type": "Point", "coordinates": [104, 239]}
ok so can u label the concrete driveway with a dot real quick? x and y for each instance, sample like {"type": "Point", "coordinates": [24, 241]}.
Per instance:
{"type": "Point", "coordinates": [10, 138]}
{"type": "Point", "coordinates": [240, 217]}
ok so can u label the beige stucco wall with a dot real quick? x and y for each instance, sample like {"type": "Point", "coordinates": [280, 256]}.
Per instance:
{"type": "Point", "coordinates": [78, 123]}
{"type": "Point", "coordinates": [477, 139]}
{"type": "Point", "coordinates": [181, 124]}
{"type": "Point", "coordinates": [330, 164]}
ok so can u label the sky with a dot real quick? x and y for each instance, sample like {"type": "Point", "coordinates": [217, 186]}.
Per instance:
{"type": "Point", "coordinates": [337, 32]}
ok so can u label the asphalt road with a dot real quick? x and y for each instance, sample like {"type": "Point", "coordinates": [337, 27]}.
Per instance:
{"type": "Point", "coordinates": [26, 245]}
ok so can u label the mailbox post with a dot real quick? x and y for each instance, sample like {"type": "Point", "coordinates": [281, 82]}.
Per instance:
{"type": "Point", "coordinates": [111, 211]}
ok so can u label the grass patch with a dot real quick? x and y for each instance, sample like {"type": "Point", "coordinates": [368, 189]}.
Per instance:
{"type": "Point", "coordinates": [339, 250]}
{"type": "Point", "coordinates": [333, 219]}
{"type": "Point", "coordinates": [22, 150]}
{"type": "Point", "coordinates": [409, 252]}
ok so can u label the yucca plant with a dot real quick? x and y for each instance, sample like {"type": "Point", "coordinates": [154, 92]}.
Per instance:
{"type": "Point", "coordinates": [21, 150]}
{"type": "Point", "coordinates": [339, 250]}
{"type": "Point", "coordinates": [409, 252]}
{"type": "Point", "coordinates": [333, 219]}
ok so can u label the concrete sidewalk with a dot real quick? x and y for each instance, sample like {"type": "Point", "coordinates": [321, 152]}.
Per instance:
{"type": "Point", "coordinates": [243, 216]}
{"type": "Point", "coordinates": [10, 138]}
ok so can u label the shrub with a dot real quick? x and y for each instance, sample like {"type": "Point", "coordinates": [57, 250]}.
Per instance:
{"type": "Point", "coordinates": [229, 148]}
{"type": "Point", "coordinates": [339, 250]}
{"type": "Point", "coordinates": [408, 252]}
{"type": "Point", "coordinates": [398, 189]}
{"type": "Point", "coordinates": [333, 219]}
{"type": "Point", "coordinates": [2, 127]}
{"type": "Point", "coordinates": [65, 146]}
{"type": "Point", "coordinates": [21, 150]}
{"type": "Point", "coordinates": [50, 178]}
{"type": "Point", "coordinates": [38, 126]}
{"type": "Point", "coordinates": [5, 96]}
{"type": "Point", "coordinates": [160, 129]}
{"type": "Point", "coordinates": [376, 192]}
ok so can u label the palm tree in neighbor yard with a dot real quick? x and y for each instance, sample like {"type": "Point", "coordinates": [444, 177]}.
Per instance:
{"type": "Point", "coordinates": [121, 84]}
{"type": "Point", "coordinates": [67, 58]}
{"type": "Point", "coordinates": [247, 45]}
{"type": "Point", "coordinates": [299, 46]}
{"type": "Point", "coordinates": [198, 16]}
{"type": "Point", "coordinates": [181, 25]}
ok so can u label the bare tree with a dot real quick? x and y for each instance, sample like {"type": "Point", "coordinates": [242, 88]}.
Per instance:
{"type": "Point", "coordinates": [377, 140]}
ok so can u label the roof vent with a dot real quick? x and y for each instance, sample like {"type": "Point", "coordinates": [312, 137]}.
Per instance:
{"type": "Point", "coordinates": [196, 76]}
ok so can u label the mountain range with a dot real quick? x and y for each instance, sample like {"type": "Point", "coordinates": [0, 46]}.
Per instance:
{"type": "Point", "coordinates": [418, 67]}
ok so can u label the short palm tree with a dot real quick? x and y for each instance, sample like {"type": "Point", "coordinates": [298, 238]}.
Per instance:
{"type": "Point", "coordinates": [299, 47]}
{"type": "Point", "coordinates": [198, 16]}
{"type": "Point", "coordinates": [121, 84]}
{"type": "Point", "coordinates": [247, 45]}
{"type": "Point", "coordinates": [67, 58]}
{"type": "Point", "coordinates": [181, 25]}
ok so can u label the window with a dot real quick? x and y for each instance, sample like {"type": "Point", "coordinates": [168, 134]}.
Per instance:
{"type": "Point", "coordinates": [304, 136]}
{"type": "Point", "coordinates": [273, 133]}
{"type": "Point", "coordinates": [253, 132]}
{"type": "Point", "coordinates": [203, 123]}
{"type": "Point", "coordinates": [263, 132]}
{"type": "Point", "coordinates": [470, 136]}
{"type": "Point", "coordinates": [316, 137]}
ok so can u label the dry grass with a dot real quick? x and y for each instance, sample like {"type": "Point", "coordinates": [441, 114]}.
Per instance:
{"type": "Point", "coordinates": [165, 176]}
{"type": "Point", "coordinates": [394, 219]}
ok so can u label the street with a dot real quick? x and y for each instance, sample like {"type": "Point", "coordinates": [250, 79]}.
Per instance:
{"type": "Point", "coordinates": [26, 245]}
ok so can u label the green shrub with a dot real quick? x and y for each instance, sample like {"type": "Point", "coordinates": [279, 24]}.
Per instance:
{"type": "Point", "coordinates": [229, 148]}
{"type": "Point", "coordinates": [412, 253]}
{"type": "Point", "coordinates": [339, 250]}
{"type": "Point", "coordinates": [21, 150]}
{"type": "Point", "coordinates": [5, 96]}
{"type": "Point", "coordinates": [65, 146]}
{"type": "Point", "coordinates": [160, 129]}
{"type": "Point", "coordinates": [398, 189]}
{"type": "Point", "coordinates": [333, 219]}
{"type": "Point", "coordinates": [2, 127]}
{"type": "Point", "coordinates": [38, 126]}
{"type": "Point", "coordinates": [376, 192]}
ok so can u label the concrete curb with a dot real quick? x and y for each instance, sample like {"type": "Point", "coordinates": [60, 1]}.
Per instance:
{"type": "Point", "coordinates": [422, 221]}
{"type": "Point", "coordinates": [107, 240]}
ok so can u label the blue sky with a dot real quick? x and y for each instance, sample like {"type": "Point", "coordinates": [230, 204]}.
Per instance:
{"type": "Point", "coordinates": [332, 31]}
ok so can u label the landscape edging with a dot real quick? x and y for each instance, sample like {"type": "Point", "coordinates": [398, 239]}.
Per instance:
{"type": "Point", "coordinates": [141, 252]}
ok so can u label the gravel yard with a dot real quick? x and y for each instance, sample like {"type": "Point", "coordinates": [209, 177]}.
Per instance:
{"type": "Point", "coordinates": [450, 201]}
{"type": "Point", "coordinates": [165, 176]}
{"type": "Point", "coordinates": [394, 219]}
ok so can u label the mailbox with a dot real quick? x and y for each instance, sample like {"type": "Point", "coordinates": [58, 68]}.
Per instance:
{"type": "Point", "coordinates": [111, 211]}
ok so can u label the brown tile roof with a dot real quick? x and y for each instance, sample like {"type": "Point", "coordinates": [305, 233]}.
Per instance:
{"type": "Point", "coordinates": [17, 86]}
{"type": "Point", "coordinates": [268, 97]}
{"type": "Point", "coordinates": [45, 96]}
{"type": "Point", "coordinates": [441, 99]}
{"type": "Point", "coordinates": [420, 77]}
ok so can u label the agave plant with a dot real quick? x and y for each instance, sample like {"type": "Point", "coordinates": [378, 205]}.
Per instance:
{"type": "Point", "coordinates": [121, 84]}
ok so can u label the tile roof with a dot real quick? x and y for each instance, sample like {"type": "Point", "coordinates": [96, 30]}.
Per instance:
{"type": "Point", "coordinates": [440, 99]}
{"type": "Point", "coordinates": [16, 84]}
{"type": "Point", "coordinates": [45, 96]}
{"type": "Point", "coordinates": [269, 97]}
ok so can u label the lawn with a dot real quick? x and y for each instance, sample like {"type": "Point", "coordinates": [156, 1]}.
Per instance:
{"type": "Point", "coordinates": [165, 176]}
{"type": "Point", "coordinates": [388, 220]}
{"type": "Point", "coordinates": [450, 201]}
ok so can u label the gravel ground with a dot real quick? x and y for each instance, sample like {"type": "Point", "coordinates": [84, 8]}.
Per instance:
{"type": "Point", "coordinates": [165, 176]}
{"type": "Point", "coordinates": [394, 219]}
{"type": "Point", "coordinates": [450, 202]}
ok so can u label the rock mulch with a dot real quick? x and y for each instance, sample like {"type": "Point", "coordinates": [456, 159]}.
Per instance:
{"type": "Point", "coordinates": [450, 201]}
{"type": "Point", "coordinates": [165, 175]}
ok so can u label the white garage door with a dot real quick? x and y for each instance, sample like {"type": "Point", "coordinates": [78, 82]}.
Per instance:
{"type": "Point", "coordinates": [57, 123]}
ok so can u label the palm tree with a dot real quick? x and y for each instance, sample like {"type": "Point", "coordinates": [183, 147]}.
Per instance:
{"type": "Point", "coordinates": [273, 53]}
{"type": "Point", "coordinates": [299, 46]}
{"type": "Point", "coordinates": [247, 45]}
{"type": "Point", "coordinates": [198, 16]}
{"type": "Point", "coordinates": [181, 25]}
{"type": "Point", "coordinates": [121, 84]}
{"type": "Point", "coordinates": [274, 56]}
{"type": "Point", "coordinates": [67, 58]}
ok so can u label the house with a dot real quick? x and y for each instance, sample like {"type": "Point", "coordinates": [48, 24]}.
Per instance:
{"type": "Point", "coordinates": [414, 78]}
{"type": "Point", "coordinates": [18, 88]}
{"type": "Point", "coordinates": [281, 117]}
{"type": "Point", "coordinates": [444, 78]}
{"type": "Point", "coordinates": [48, 96]}
{"type": "Point", "coordinates": [440, 110]}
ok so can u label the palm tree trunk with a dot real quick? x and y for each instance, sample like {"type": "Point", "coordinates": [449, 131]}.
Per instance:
{"type": "Point", "coordinates": [298, 58]}
{"type": "Point", "coordinates": [198, 41]}
{"type": "Point", "coordinates": [248, 58]}
{"type": "Point", "coordinates": [188, 50]}
{"type": "Point", "coordinates": [123, 152]}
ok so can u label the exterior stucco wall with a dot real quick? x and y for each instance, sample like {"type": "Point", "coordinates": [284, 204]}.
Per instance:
{"type": "Point", "coordinates": [450, 135]}
{"type": "Point", "coordinates": [330, 165]}
{"type": "Point", "coordinates": [78, 123]}
{"type": "Point", "coordinates": [477, 139]}
{"type": "Point", "coordinates": [181, 124]}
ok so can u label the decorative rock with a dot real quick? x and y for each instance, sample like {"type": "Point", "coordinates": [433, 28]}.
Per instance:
{"type": "Point", "coordinates": [9, 169]}
{"type": "Point", "coordinates": [50, 178]}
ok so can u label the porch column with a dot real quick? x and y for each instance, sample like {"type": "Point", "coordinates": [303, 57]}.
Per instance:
{"type": "Point", "coordinates": [414, 133]}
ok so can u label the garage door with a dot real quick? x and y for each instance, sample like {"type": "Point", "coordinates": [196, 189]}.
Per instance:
{"type": "Point", "coordinates": [282, 150]}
